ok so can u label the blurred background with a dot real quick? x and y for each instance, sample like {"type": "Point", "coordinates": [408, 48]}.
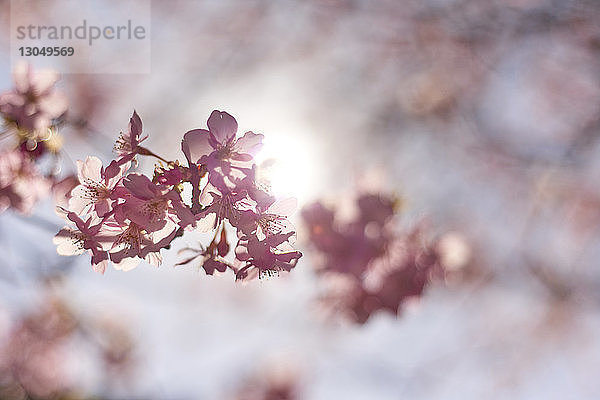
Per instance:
{"type": "Point", "coordinates": [482, 116]}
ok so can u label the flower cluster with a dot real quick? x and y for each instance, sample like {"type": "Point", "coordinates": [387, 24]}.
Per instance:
{"type": "Point", "coordinates": [21, 184]}
{"type": "Point", "coordinates": [30, 112]}
{"type": "Point", "coordinates": [369, 265]}
{"type": "Point", "coordinates": [275, 382]}
{"type": "Point", "coordinates": [124, 217]}
{"type": "Point", "coordinates": [34, 352]}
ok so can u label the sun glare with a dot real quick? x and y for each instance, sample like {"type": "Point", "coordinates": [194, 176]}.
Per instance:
{"type": "Point", "coordinates": [289, 165]}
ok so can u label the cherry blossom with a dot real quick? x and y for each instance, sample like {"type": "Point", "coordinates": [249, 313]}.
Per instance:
{"type": "Point", "coordinates": [87, 235]}
{"type": "Point", "coordinates": [33, 103]}
{"type": "Point", "coordinates": [265, 257]}
{"type": "Point", "coordinates": [124, 217]}
{"type": "Point", "coordinates": [121, 216]}
{"type": "Point", "coordinates": [128, 144]}
{"type": "Point", "coordinates": [221, 206]}
{"type": "Point", "coordinates": [268, 220]}
{"type": "Point", "coordinates": [150, 205]}
{"type": "Point", "coordinates": [96, 186]}
{"type": "Point", "coordinates": [369, 266]}
{"type": "Point", "coordinates": [21, 184]}
{"type": "Point", "coordinates": [218, 149]}
{"type": "Point", "coordinates": [133, 244]}
{"type": "Point", "coordinates": [30, 112]}
{"type": "Point", "coordinates": [212, 258]}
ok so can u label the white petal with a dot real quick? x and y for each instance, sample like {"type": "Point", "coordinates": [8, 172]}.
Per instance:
{"type": "Point", "coordinates": [89, 170]}
{"type": "Point", "coordinates": [207, 223]}
{"type": "Point", "coordinates": [127, 264]}
{"type": "Point", "coordinates": [65, 243]}
{"type": "Point", "coordinates": [284, 207]}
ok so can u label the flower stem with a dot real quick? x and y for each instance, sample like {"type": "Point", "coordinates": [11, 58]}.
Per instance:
{"type": "Point", "coordinates": [145, 152]}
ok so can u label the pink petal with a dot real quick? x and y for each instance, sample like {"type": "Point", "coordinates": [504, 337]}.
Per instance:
{"type": "Point", "coordinates": [21, 76]}
{"type": "Point", "coordinates": [61, 190]}
{"type": "Point", "coordinates": [99, 261]}
{"type": "Point", "coordinates": [154, 259]}
{"type": "Point", "coordinates": [100, 267]}
{"type": "Point", "coordinates": [195, 144]}
{"type": "Point", "coordinates": [125, 264]}
{"type": "Point", "coordinates": [241, 157]}
{"type": "Point", "coordinates": [115, 171]}
{"type": "Point", "coordinates": [102, 207]}
{"type": "Point", "coordinates": [135, 128]}
{"type": "Point", "coordinates": [54, 105]}
{"type": "Point", "coordinates": [140, 186]}
{"type": "Point", "coordinates": [43, 80]}
{"type": "Point", "coordinates": [222, 125]}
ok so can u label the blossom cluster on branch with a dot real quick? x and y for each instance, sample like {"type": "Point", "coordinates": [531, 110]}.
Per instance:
{"type": "Point", "coordinates": [120, 216]}
{"type": "Point", "coordinates": [369, 266]}
{"type": "Point", "coordinates": [125, 217]}
{"type": "Point", "coordinates": [34, 351]}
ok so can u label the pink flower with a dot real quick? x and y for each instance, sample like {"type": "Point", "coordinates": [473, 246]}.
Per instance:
{"type": "Point", "coordinates": [33, 103]}
{"type": "Point", "coordinates": [149, 205]}
{"type": "Point", "coordinates": [211, 257]}
{"type": "Point", "coordinates": [96, 186]}
{"type": "Point", "coordinates": [349, 247]}
{"type": "Point", "coordinates": [88, 235]}
{"type": "Point", "coordinates": [265, 257]}
{"type": "Point", "coordinates": [269, 220]}
{"type": "Point", "coordinates": [374, 268]}
{"type": "Point", "coordinates": [375, 209]}
{"type": "Point", "coordinates": [128, 144]}
{"type": "Point", "coordinates": [133, 244]}
{"type": "Point", "coordinates": [222, 206]}
{"type": "Point", "coordinates": [171, 176]}
{"type": "Point", "coordinates": [224, 156]}
{"type": "Point", "coordinates": [131, 217]}
{"type": "Point", "coordinates": [61, 190]}
{"type": "Point", "coordinates": [21, 185]}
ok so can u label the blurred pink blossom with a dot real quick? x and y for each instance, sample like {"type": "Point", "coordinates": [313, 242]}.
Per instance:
{"type": "Point", "coordinates": [33, 103]}
{"type": "Point", "coordinates": [21, 185]}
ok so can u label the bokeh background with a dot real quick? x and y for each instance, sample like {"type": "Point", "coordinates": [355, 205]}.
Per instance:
{"type": "Point", "coordinates": [484, 116]}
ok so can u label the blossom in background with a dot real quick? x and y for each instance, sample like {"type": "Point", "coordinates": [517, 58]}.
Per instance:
{"type": "Point", "coordinates": [350, 247]}
{"type": "Point", "coordinates": [36, 359]}
{"type": "Point", "coordinates": [29, 112]}
{"type": "Point", "coordinates": [21, 184]}
{"type": "Point", "coordinates": [275, 382]}
{"type": "Point", "coordinates": [369, 266]}
{"type": "Point", "coordinates": [33, 103]}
